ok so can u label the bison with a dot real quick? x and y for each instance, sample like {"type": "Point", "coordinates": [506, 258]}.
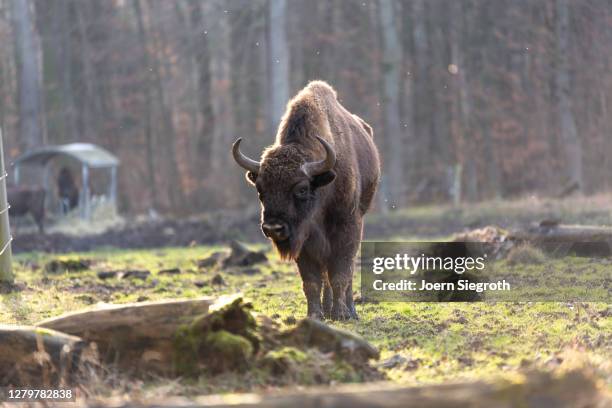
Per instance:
{"type": "Point", "coordinates": [67, 190]}
{"type": "Point", "coordinates": [315, 184]}
{"type": "Point", "coordinates": [24, 200]}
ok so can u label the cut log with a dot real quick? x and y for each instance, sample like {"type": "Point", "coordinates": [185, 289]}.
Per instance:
{"type": "Point", "coordinates": [33, 356]}
{"type": "Point", "coordinates": [135, 335]}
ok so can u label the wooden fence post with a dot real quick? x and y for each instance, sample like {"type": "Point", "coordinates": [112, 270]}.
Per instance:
{"type": "Point", "coordinates": [6, 269]}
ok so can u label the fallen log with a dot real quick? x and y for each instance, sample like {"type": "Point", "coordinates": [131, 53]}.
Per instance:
{"type": "Point", "coordinates": [34, 357]}
{"type": "Point", "coordinates": [574, 389]}
{"type": "Point", "coordinates": [579, 240]}
{"type": "Point", "coordinates": [560, 232]}
{"type": "Point", "coordinates": [550, 236]}
{"type": "Point", "coordinates": [134, 335]}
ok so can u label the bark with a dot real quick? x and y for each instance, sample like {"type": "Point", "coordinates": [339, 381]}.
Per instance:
{"type": "Point", "coordinates": [28, 61]}
{"type": "Point", "coordinates": [278, 61]}
{"type": "Point", "coordinates": [567, 124]}
{"type": "Point", "coordinates": [392, 61]}
{"type": "Point", "coordinates": [138, 335]}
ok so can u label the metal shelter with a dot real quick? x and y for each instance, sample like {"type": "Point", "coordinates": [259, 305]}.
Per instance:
{"type": "Point", "coordinates": [88, 155]}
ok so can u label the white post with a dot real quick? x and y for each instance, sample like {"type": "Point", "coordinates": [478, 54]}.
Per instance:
{"type": "Point", "coordinates": [6, 268]}
{"type": "Point", "coordinates": [456, 184]}
{"type": "Point", "coordinates": [85, 202]}
{"type": "Point", "coordinates": [113, 187]}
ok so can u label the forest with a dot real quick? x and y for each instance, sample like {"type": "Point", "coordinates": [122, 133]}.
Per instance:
{"type": "Point", "coordinates": [469, 100]}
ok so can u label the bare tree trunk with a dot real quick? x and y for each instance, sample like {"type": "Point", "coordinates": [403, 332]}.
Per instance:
{"type": "Point", "coordinates": [64, 59]}
{"type": "Point", "coordinates": [91, 107]}
{"type": "Point", "coordinates": [147, 119]}
{"type": "Point", "coordinates": [222, 106]}
{"type": "Point", "coordinates": [28, 57]}
{"type": "Point", "coordinates": [278, 56]}
{"type": "Point", "coordinates": [567, 124]}
{"type": "Point", "coordinates": [202, 59]}
{"type": "Point", "coordinates": [422, 109]}
{"type": "Point", "coordinates": [459, 69]}
{"type": "Point", "coordinates": [175, 191]}
{"type": "Point", "coordinates": [392, 61]}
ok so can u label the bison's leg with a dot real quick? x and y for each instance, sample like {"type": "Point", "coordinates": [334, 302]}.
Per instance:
{"type": "Point", "coordinates": [340, 274]}
{"type": "Point", "coordinates": [38, 219]}
{"type": "Point", "coordinates": [345, 244]}
{"type": "Point", "coordinates": [350, 303]}
{"type": "Point", "coordinates": [312, 279]}
{"type": "Point", "coordinates": [328, 298]}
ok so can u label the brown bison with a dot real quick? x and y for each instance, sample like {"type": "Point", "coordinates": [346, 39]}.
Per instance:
{"type": "Point", "coordinates": [24, 200]}
{"type": "Point", "coordinates": [315, 184]}
{"type": "Point", "coordinates": [67, 190]}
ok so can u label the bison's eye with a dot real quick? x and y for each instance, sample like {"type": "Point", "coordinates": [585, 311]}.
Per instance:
{"type": "Point", "coordinates": [301, 191]}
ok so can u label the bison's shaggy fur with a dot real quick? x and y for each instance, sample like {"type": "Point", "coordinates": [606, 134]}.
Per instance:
{"type": "Point", "coordinates": [320, 215]}
{"type": "Point", "coordinates": [25, 200]}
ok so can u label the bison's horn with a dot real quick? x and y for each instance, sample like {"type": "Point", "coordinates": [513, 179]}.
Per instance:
{"type": "Point", "coordinates": [243, 161]}
{"type": "Point", "coordinates": [320, 167]}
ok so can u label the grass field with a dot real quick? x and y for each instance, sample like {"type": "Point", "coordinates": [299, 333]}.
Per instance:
{"type": "Point", "coordinates": [439, 341]}
{"type": "Point", "coordinates": [432, 342]}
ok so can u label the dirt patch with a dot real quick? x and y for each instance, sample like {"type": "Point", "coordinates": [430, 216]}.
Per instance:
{"type": "Point", "coordinates": [211, 229]}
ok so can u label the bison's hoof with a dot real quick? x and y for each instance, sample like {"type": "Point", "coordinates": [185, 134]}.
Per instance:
{"type": "Point", "coordinates": [340, 312]}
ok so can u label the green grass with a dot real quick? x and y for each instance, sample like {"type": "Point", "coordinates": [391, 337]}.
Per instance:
{"type": "Point", "coordinates": [442, 341]}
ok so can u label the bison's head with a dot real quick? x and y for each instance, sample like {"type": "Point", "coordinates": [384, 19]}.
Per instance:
{"type": "Point", "coordinates": [288, 184]}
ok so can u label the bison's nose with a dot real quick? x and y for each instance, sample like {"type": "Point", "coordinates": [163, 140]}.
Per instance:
{"type": "Point", "coordinates": [275, 230]}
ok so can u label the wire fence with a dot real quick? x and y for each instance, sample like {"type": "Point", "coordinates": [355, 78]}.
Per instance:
{"type": "Point", "coordinates": [6, 244]}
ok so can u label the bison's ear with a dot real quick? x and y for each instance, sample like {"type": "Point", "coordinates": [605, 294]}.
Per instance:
{"type": "Point", "coordinates": [323, 179]}
{"type": "Point", "coordinates": [251, 177]}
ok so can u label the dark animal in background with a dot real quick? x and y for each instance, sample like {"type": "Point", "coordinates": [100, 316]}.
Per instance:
{"type": "Point", "coordinates": [67, 190]}
{"type": "Point", "coordinates": [315, 184]}
{"type": "Point", "coordinates": [26, 200]}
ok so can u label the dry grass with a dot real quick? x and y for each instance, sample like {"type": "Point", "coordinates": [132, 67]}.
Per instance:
{"type": "Point", "coordinates": [525, 254]}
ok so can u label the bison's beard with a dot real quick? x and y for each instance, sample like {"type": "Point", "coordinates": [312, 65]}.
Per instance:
{"type": "Point", "coordinates": [290, 248]}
